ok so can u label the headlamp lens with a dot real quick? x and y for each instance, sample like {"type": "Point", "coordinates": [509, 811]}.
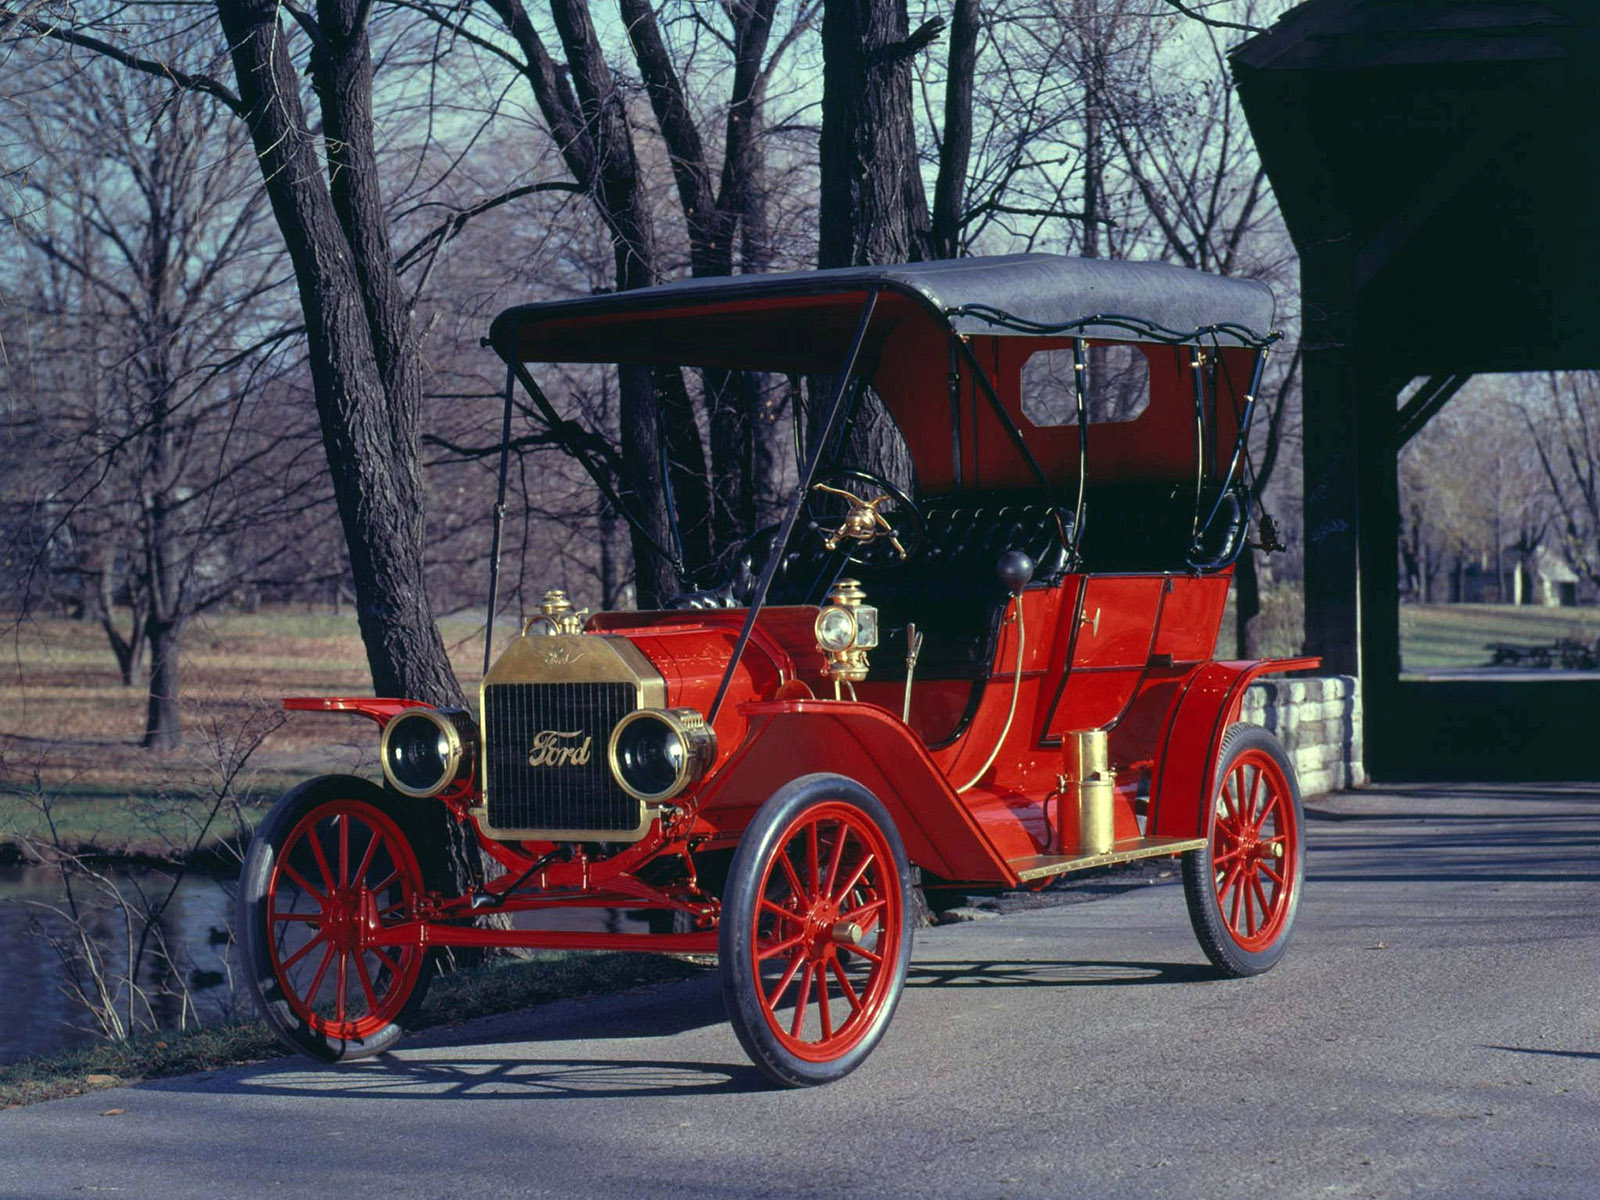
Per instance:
{"type": "Point", "coordinates": [418, 753]}
{"type": "Point", "coordinates": [650, 756]}
{"type": "Point", "coordinates": [836, 629]}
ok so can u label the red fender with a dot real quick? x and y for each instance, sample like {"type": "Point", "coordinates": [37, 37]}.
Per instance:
{"type": "Point", "coordinates": [871, 746]}
{"type": "Point", "coordinates": [375, 708]}
{"type": "Point", "coordinates": [1205, 706]}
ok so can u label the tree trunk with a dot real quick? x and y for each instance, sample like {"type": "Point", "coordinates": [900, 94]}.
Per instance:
{"type": "Point", "coordinates": [949, 192]}
{"type": "Point", "coordinates": [162, 725]}
{"type": "Point", "coordinates": [363, 362]}
{"type": "Point", "coordinates": [873, 208]}
{"type": "Point", "coordinates": [1247, 606]}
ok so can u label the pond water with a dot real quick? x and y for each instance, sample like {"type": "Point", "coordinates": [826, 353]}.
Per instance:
{"type": "Point", "coordinates": [37, 1016]}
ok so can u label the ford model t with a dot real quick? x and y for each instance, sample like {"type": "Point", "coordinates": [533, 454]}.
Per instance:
{"type": "Point", "coordinates": [993, 672]}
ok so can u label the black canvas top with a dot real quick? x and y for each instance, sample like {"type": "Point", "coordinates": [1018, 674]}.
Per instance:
{"type": "Point", "coordinates": [1018, 294]}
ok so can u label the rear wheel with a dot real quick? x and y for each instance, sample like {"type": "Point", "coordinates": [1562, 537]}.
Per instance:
{"type": "Point", "coordinates": [815, 937]}
{"type": "Point", "coordinates": [1243, 888]}
{"type": "Point", "coordinates": [328, 868]}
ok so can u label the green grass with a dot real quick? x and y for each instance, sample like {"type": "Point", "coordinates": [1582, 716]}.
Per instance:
{"type": "Point", "coordinates": [507, 985]}
{"type": "Point", "coordinates": [1442, 636]}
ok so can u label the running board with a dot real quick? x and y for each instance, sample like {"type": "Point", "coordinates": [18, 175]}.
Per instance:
{"type": "Point", "coordinates": [1041, 866]}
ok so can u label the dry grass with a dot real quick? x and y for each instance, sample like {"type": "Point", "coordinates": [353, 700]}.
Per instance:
{"type": "Point", "coordinates": [71, 731]}
{"type": "Point", "coordinates": [503, 986]}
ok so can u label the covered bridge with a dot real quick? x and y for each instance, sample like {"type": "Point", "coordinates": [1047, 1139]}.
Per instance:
{"type": "Point", "coordinates": [1438, 165]}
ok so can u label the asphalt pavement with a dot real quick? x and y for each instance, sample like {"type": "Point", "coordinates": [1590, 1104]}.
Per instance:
{"type": "Point", "coordinates": [1434, 1031]}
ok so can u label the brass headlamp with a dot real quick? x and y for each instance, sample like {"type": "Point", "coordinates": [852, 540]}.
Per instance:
{"type": "Point", "coordinates": [846, 629]}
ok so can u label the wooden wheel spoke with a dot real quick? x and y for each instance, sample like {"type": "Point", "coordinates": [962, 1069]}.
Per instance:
{"type": "Point", "coordinates": [343, 982]}
{"type": "Point", "coordinates": [366, 983]}
{"type": "Point", "coordinates": [801, 1001]}
{"type": "Point", "coordinates": [813, 854]}
{"type": "Point", "coordinates": [380, 888]}
{"type": "Point", "coordinates": [795, 964]}
{"type": "Point", "coordinates": [824, 1004]}
{"type": "Point", "coordinates": [322, 859]}
{"type": "Point", "coordinates": [1261, 898]}
{"type": "Point", "coordinates": [869, 955]}
{"type": "Point", "coordinates": [300, 881]}
{"type": "Point", "coordinates": [862, 867]}
{"type": "Point", "coordinates": [834, 860]}
{"type": "Point", "coordinates": [779, 911]}
{"type": "Point", "coordinates": [844, 984]}
{"type": "Point", "coordinates": [366, 858]}
{"type": "Point", "coordinates": [783, 947]}
{"type": "Point", "coordinates": [393, 966]}
{"type": "Point", "coordinates": [312, 944]}
{"type": "Point", "coordinates": [344, 849]}
{"type": "Point", "coordinates": [277, 916]}
{"type": "Point", "coordinates": [873, 909]}
{"type": "Point", "coordinates": [322, 971]}
{"type": "Point", "coordinates": [795, 886]}
{"type": "Point", "coordinates": [1272, 874]}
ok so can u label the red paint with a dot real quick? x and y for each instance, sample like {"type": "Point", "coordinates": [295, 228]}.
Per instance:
{"type": "Point", "coordinates": [377, 709]}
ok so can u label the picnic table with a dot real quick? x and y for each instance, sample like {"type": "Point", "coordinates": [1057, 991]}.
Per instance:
{"type": "Point", "coordinates": [1571, 653]}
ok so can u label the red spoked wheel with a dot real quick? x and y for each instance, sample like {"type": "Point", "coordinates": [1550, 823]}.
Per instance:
{"type": "Point", "coordinates": [328, 870]}
{"type": "Point", "coordinates": [1243, 888]}
{"type": "Point", "coordinates": [815, 937]}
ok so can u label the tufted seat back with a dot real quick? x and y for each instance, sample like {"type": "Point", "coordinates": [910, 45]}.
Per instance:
{"type": "Point", "coordinates": [968, 538]}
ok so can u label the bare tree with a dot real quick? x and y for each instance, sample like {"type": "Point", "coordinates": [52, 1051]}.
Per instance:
{"type": "Point", "coordinates": [1562, 417]}
{"type": "Point", "coordinates": [141, 375]}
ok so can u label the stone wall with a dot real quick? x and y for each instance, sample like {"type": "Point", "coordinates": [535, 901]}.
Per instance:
{"type": "Point", "coordinates": [1318, 720]}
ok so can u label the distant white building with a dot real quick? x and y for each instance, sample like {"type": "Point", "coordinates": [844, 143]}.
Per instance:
{"type": "Point", "coordinates": [1543, 577]}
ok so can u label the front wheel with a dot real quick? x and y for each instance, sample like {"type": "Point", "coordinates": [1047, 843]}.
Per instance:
{"type": "Point", "coordinates": [327, 869]}
{"type": "Point", "coordinates": [1243, 887]}
{"type": "Point", "coordinates": [814, 938]}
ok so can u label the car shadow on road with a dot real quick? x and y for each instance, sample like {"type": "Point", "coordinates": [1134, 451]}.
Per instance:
{"type": "Point", "coordinates": [1587, 1054]}
{"type": "Point", "coordinates": [1052, 974]}
{"type": "Point", "coordinates": [465, 1073]}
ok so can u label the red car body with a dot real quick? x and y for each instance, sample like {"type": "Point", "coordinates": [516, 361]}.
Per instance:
{"type": "Point", "coordinates": [1066, 716]}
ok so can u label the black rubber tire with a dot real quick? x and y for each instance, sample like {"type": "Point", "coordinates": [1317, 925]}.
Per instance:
{"type": "Point", "coordinates": [1230, 954]}
{"type": "Point", "coordinates": [742, 987]}
{"type": "Point", "coordinates": [254, 937]}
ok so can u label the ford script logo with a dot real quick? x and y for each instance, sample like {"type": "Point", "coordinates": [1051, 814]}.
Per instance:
{"type": "Point", "coordinates": [552, 748]}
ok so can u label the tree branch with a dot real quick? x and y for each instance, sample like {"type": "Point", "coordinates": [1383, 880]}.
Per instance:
{"type": "Point", "coordinates": [1213, 22]}
{"type": "Point", "coordinates": [150, 66]}
{"type": "Point", "coordinates": [453, 225]}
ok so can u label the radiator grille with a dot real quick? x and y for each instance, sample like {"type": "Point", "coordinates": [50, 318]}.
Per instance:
{"type": "Point", "coordinates": [555, 725]}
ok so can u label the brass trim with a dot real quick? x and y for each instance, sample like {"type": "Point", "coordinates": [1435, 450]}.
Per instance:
{"type": "Point", "coordinates": [452, 765]}
{"type": "Point", "coordinates": [699, 748]}
{"type": "Point", "coordinates": [1041, 866]}
{"type": "Point", "coordinates": [569, 658]}
{"type": "Point", "coordinates": [480, 814]}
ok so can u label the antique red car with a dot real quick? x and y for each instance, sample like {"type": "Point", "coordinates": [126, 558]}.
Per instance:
{"type": "Point", "coordinates": [993, 672]}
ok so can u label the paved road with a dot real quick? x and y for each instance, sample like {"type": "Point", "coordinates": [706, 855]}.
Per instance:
{"type": "Point", "coordinates": [1434, 1031]}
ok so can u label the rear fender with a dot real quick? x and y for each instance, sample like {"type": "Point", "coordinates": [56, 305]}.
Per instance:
{"type": "Point", "coordinates": [787, 739]}
{"type": "Point", "coordinates": [1205, 706]}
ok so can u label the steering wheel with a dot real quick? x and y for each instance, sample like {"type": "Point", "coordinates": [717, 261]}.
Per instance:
{"type": "Point", "coordinates": [841, 509]}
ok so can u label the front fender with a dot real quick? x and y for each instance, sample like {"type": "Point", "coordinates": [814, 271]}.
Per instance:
{"type": "Point", "coordinates": [374, 708]}
{"type": "Point", "coordinates": [788, 739]}
{"type": "Point", "coordinates": [1205, 706]}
